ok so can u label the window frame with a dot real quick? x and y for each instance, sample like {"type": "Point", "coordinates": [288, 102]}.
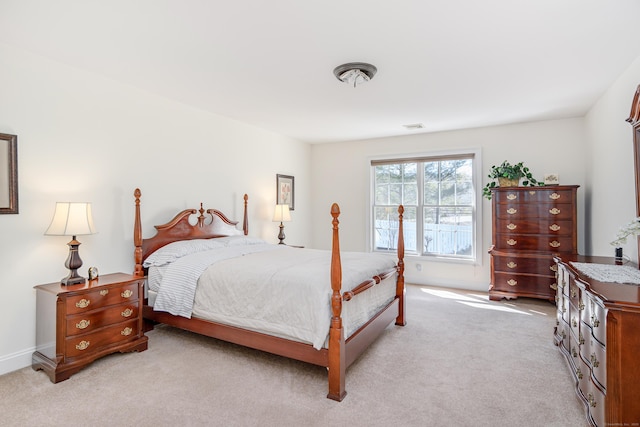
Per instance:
{"type": "Point", "coordinates": [475, 154]}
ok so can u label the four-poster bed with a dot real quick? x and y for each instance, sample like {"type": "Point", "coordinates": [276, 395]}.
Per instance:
{"type": "Point", "coordinates": [347, 337]}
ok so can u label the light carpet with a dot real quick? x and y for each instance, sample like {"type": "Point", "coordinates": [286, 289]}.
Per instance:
{"type": "Point", "coordinates": [462, 360]}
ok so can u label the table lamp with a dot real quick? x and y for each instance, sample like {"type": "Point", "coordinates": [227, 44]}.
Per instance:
{"type": "Point", "coordinates": [281, 214]}
{"type": "Point", "coordinates": [72, 219]}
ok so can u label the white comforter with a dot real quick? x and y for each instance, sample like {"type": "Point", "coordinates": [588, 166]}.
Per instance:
{"type": "Point", "coordinates": [273, 289]}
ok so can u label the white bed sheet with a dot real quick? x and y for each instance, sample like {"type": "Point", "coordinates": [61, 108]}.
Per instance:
{"type": "Point", "coordinates": [287, 292]}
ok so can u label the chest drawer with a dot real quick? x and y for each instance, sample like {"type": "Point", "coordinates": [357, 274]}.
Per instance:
{"type": "Point", "coordinates": [535, 226]}
{"type": "Point", "coordinates": [598, 321]}
{"type": "Point", "coordinates": [526, 284]}
{"type": "Point", "coordinates": [518, 211]}
{"type": "Point", "coordinates": [534, 195]}
{"type": "Point", "coordinates": [87, 322]}
{"type": "Point", "coordinates": [102, 297]}
{"type": "Point", "coordinates": [514, 264]}
{"type": "Point", "coordinates": [524, 242]}
{"type": "Point", "coordinates": [82, 345]}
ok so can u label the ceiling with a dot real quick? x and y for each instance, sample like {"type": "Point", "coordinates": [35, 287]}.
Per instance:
{"type": "Point", "coordinates": [447, 64]}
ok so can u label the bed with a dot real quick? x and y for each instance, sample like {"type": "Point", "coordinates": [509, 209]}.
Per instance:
{"type": "Point", "coordinates": [351, 297]}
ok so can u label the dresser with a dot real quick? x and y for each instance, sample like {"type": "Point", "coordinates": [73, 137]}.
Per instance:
{"type": "Point", "coordinates": [598, 331]}
{"type": "Point", "coordinates": [529, 225]}
{"type": "Point", "coordinates": [77, 324]}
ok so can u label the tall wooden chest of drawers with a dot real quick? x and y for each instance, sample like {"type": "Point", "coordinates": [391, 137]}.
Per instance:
{"type": "Point", "coordinates": [530, 224]}
{"type": "Point", "coordinates": [77, 324]}
{"type": "Point", "coordinates": [598, 331]}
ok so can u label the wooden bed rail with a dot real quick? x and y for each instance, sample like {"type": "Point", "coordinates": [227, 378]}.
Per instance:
{"type": "Point", "coordinates": [348, 295]}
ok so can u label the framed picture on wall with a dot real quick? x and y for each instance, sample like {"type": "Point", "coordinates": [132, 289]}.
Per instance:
{"type": "Point", "coordinates": [285, 194]}
{"type": "Point", "coordinates": [8, 174]}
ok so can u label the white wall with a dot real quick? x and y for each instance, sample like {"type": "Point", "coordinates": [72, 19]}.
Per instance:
{"type": "Point", "coordinates": [611, 201]}
{"type": "Point", "coordinates": [85, 138]}
{"type": "Point", "coordinates": [340, 173]}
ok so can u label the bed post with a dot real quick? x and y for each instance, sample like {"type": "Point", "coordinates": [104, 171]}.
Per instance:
{"type": "Point", "coordinates": [400, 290]}
{"type": "Point", "coordinates": [245, 221]}
{"type": "Point", "coordinates": [137, 237]}
{"type": "Point", "coordinates": [337, 356]}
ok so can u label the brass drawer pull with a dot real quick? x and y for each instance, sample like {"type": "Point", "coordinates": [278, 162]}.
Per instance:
{"type": "Point", "coordinates": [511, 226]}
{"type": "Point", "coordinates": [83, 324]}
{"type": "Point", "coordinates": [511, 196]}
{"type": "Point", "coordinates": [554, 227]}
{"type": "Point", "coordinates": [128, 312]}
{"type": "Point", "coordinates": [126, 331]}
{"type": "Point", "coordinates": [554, 196]}
{"type": "Point", "coordinates": [554, 244]}
{"type": "Point", "coordinates": [104, 292]}
{"type": "Point", "coordinates": [82, 345]}
{"type": "Point", "coordinates": [512, 264]}
{"type": "Point", "coordinates": [127, 293]}
{"type": "Point", "coordinates": [554, 211]}
{"type": "Point", "coordinates": [83, 303]}
{"type": "Point", "coordinates": [512, 282]}
{"type": "Point", "coordinates": [511, 242]}
{"type": "Point", "coordinates": [594, 360]}
{"type": "Point", "coordinates": [554, 286]}
{"type": "Point", "coordinates": [511, 211]}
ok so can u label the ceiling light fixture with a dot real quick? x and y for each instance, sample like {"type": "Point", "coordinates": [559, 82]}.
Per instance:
{"type": "Point", "coordinates": [355, 73]}
{"type": "Point", "coordinates": [414, 126]}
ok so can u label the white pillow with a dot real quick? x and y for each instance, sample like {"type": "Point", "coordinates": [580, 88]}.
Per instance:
{"type": "Point", "coordinates": [175, 250]}
{"type": "Point", "coordinates": [241, 241]}
{"type": "Point", "coordinates": [218, 226]}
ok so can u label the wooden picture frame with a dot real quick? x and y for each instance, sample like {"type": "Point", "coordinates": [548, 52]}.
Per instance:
{"type": "Point", "coordinates": [8, 174]}
{"type": "Point", "coordinates": [285, 190]}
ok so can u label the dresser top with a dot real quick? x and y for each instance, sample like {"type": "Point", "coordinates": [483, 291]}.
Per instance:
{"type": "Point", "coordinates": [537, 187]}
{"type": "Point", "coordinates": [611, 293]}
{"type": "Point", "coordinates": [103, 280]}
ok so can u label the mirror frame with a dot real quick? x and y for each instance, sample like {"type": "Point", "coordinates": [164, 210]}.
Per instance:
{"type": "Point", "coordinates": [9, 152]}
{"type": "Point", "coordinates": [634, 120]}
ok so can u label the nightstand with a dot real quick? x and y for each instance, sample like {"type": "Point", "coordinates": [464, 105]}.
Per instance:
{"type": "Point", "coordinates": [78, 324]}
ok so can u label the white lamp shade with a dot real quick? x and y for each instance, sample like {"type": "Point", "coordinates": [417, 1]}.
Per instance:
{"type": "Point", "coordinates": [281, 214]}
{"type": "Point", "coordinates": [71, 219]}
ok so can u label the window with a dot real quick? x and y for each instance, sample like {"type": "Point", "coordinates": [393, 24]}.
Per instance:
{"type": "Point", "coordinates": [439, 198]}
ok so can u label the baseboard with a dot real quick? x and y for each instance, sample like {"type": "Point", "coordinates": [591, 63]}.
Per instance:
{"type": "Point", "coordinates": [14, 361]}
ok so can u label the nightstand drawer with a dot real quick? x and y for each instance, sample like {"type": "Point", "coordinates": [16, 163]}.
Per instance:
{"type": "Point", "coordinates": [101, 298]}
{"type": "Point", "coordinates": [87, 322]}
{"type": "Point", "coordinates": [82, 345]}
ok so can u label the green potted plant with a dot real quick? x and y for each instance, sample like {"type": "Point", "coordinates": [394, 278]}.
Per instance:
{"type": "Point", "coordinates": [509, 175]}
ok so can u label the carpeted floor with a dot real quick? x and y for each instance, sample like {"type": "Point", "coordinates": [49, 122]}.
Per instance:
{"type": "Point", "coordinates": [462, 360]}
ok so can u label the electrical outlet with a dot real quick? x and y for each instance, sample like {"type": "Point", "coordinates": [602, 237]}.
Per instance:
{"type": "Point", "coordinates": [419, 267]}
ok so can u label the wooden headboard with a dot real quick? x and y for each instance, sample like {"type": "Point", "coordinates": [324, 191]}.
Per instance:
{"type": "Point", "coordinates": [179, 228]}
